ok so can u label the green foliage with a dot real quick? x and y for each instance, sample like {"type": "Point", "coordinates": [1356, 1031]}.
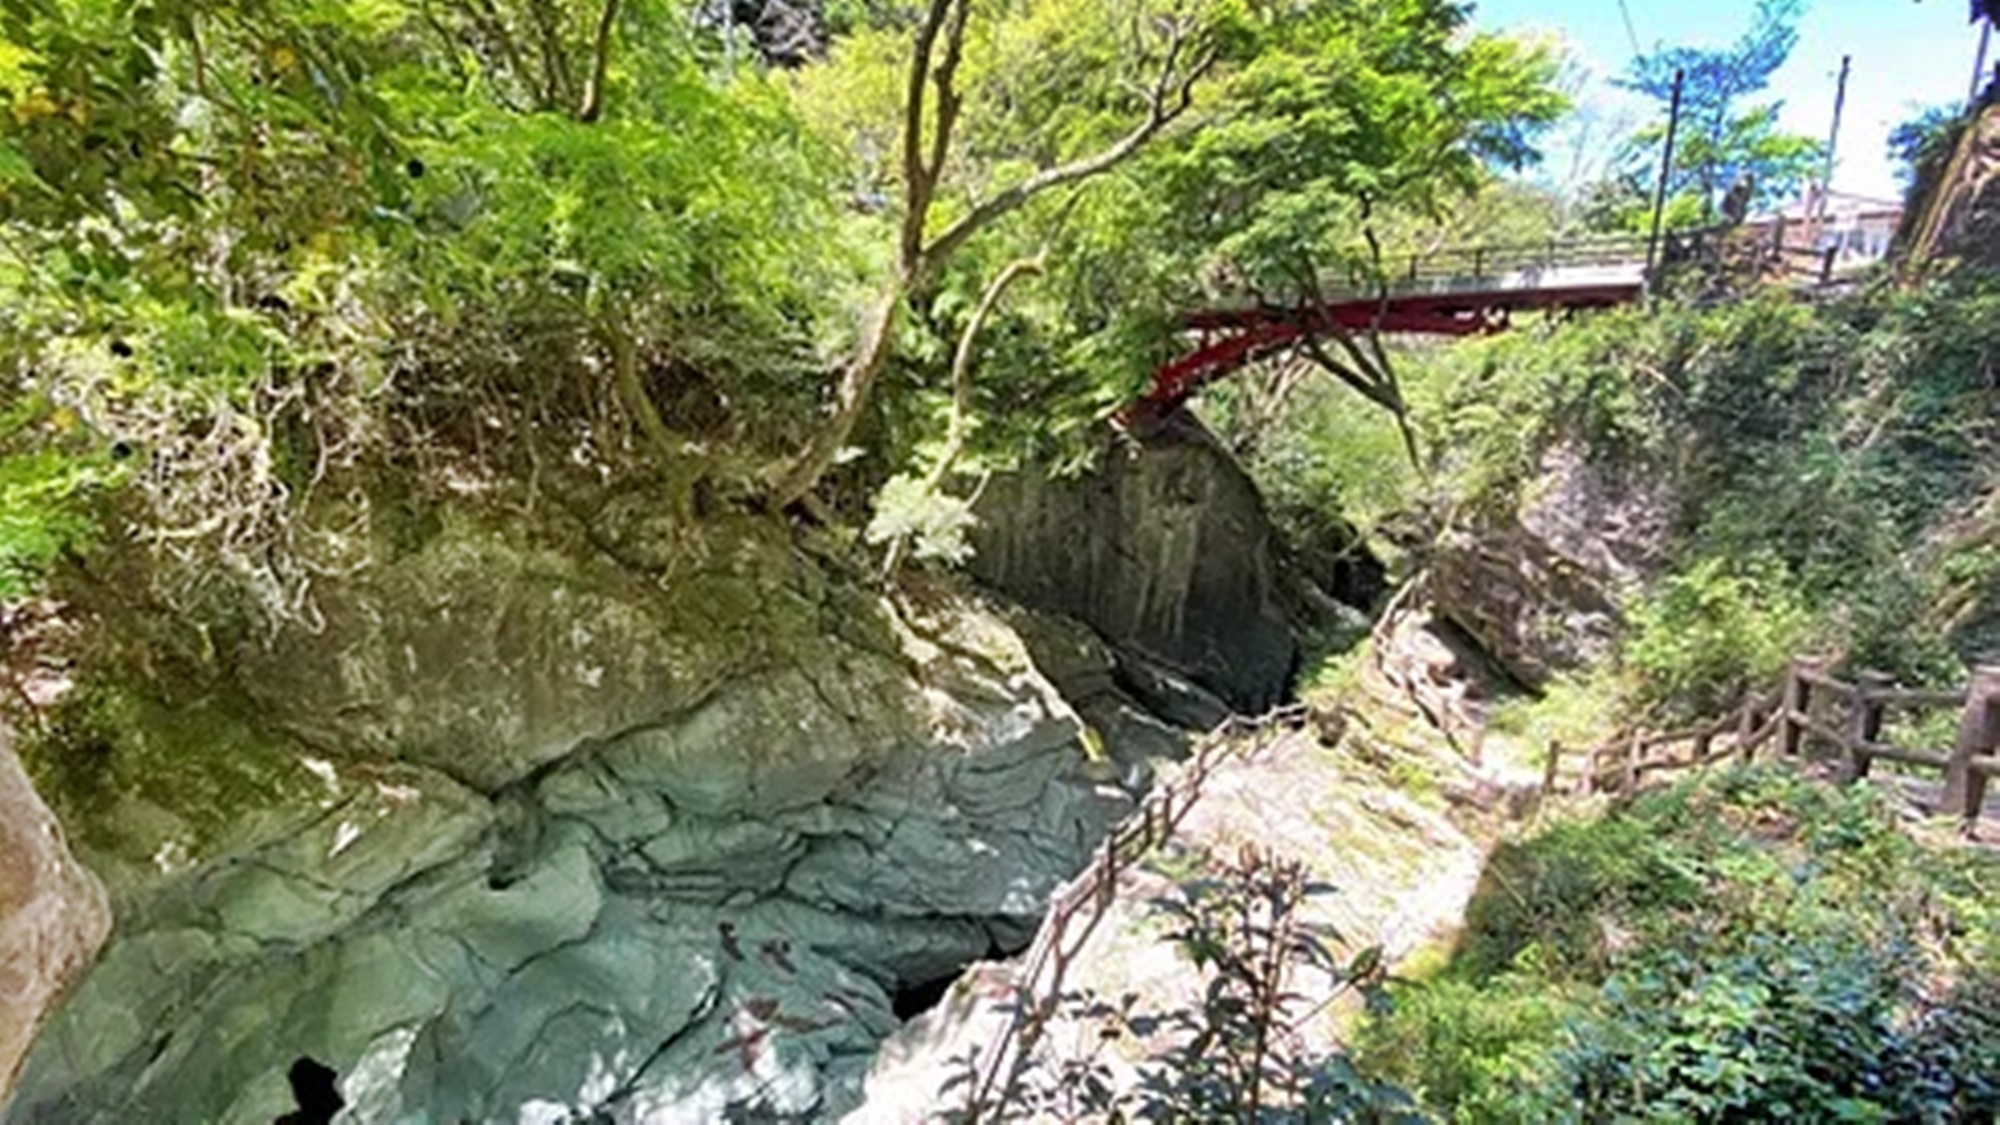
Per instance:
{"type": "Point", "coordinates": [935, 524]}
{"type": "Point", "coordinates": [1471, 1052]}
{"type": "Point", "coordinates": [1721, 143]}
{"type": "Point", "coordinates": [1333, 453]}
{"type": "Point", "coordinates": [1349, 111]}
{"type": "Point", "coordinates": [1714, 631]}
{"type": "Point", "coordinates": [1804, 447]}
{"type": "Point", "coordinates": [257, 247]}
{"type": "Point", "coordinates": [1921, 144]}
{"type": "Point", "coordinates": [1752, 947]}
{"type": "Point", "coordinates": [272, 249]}
{"type": "Point", "coordinates": [44, 512]}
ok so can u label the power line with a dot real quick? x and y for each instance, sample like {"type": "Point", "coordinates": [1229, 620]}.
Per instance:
{"type": "Point", "coordinates": [1630, 34]}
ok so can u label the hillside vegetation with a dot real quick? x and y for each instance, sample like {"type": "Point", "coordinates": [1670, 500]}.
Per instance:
{"type": "Point", "coordinates": [1825, 470]}
{"type": "Point", "coordinates": [1751, 947]}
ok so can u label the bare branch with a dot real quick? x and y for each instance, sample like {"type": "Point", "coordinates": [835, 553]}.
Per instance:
{"type": "Point", "coordinates": [501, 39]}
{"type": "Point", "coordinates": [949, 101]}
{"type": "Point", "coordinates": [961, 363]}
{"type": "Point", "coordinates": [918, 179]}
{"type": "Point", "coordinates": [554, 63]}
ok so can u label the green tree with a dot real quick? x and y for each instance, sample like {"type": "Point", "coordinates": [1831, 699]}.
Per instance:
{"type": "Point", "coordinates": [1353, 124]}
{"type": "Point", "coordinates": [1299, 121]}
{"type": "Point", "coordinates": [1725, 140]}
{"type": "Point", "coordinates": [253, 246]}
{"type": "Point", "coordinates": [1924, 141]}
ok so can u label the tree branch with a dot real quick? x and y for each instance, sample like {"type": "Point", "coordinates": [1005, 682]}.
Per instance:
{"type": "Point", "coordinates": [949, 101]}
{"type": "Point", "coordinates": [793, 482]}
{"type": "Point", "coordinates": [1172, 94]}
{"type": "Point", "coordinates": [593, 92]}
{"type": "Point", "coordinates": [918, 177]}
{"type": "Point", "coordinates": [959, 430]}
{"type": "Point", "coordinates": [553, 62]}
{"type": "Point", "coordinates": [961, 364]}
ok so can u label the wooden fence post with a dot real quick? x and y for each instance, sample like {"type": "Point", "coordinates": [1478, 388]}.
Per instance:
{"type": "Point", "coordinates": [1864, 724]}
{"type": "Point", "coordinates": [1978, 734]}
{"type": "Point", "coordinates": [1793, 705]}
{"type": "Point", "coordinates": [1746, 731]}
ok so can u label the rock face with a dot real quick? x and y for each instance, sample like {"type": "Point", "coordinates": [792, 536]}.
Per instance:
{"type": "Point", "coordinates": [1167, 552]}
{"type": "Point", "coordinates": [1957, 211]}
{"type": "Point", "coordinates": [564, 844]}
{"type": "Point", "coordinates": [1539, 589]}
{"type": "Point", "coordinates": [53, 914]}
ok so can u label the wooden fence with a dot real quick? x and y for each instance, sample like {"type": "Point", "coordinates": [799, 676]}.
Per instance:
{"type": "Point", "coordinates": [1815, 717]}
{"type": "Point", "coordinates": [1076, 909]}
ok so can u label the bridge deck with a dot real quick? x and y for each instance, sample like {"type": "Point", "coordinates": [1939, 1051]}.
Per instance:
{"type": "Point", "coordinates": [1458, 292]}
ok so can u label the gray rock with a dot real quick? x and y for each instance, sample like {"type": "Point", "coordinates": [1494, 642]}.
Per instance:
{"type": "Point", "coordinates": [1540, 590]}
{"type": "Point", "coordinates": [1165, 550]}
{"type": "Point", "coordinates": [487, 655]}
{"type": "Point", "coordinates": [705, 913]}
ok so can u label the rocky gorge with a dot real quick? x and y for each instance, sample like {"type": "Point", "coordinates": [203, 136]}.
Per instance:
{"type": "Point", "coordinates": [526, 833]}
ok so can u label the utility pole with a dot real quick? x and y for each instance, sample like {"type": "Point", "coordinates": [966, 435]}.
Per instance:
{"type": "Point", "coordinates": [1666, 166]}
{"type": "Point", "coordinates": [1979, 62]}
{"type": "Point", "coordinates": [1833, 137]}
{"type": "Point", "coordinates": [1818, 216]}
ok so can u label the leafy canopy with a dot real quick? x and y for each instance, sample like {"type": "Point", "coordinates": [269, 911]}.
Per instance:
{"type": "Point", "coordinates": [1726, 141]}
{"type": "Point", "coordinates": [250, 243]}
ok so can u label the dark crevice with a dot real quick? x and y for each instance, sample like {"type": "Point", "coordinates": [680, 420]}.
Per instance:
{"type": "Point", "coordinates": [315, 1088]}
{"type": "Point", "coordinates": [912, 1000]}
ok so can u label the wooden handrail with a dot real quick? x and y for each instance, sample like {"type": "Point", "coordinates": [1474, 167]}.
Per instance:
{"type": "Point", "coordinates": [1077, 908]}
{"type": "Point", "coordinates": [1803, 718]}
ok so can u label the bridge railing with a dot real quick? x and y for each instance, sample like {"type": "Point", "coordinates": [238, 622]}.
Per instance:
{"type": "Point", "coordinates": [1752, 249]}
{"type": "Point", "coordinates": [1474, 267]}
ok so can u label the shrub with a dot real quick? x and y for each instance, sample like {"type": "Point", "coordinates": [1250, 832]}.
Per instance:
{"type": "Point", "coordinates": [1713, 631]}
{"type": "Point", "coordinates": [1234, 1054]}
{"type": "Point", "coordinates": [1752, 947]}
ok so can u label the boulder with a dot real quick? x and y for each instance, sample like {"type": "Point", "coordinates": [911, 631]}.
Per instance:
{"type": "Point", "coordinates": [1165, 549]}
{"type": "Point", "coordinates": [1539, 588]}
{"type": "Point", "coordinates": [53, 914]}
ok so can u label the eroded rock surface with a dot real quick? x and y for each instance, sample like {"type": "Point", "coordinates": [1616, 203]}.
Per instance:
{"type": "Point", "coordinates": [685, 883]}
{"type": "Point", "coordinates": [1540, 589]}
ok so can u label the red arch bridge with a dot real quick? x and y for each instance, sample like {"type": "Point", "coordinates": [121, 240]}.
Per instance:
{"type": "Point", "coordinates": [1457, 292]}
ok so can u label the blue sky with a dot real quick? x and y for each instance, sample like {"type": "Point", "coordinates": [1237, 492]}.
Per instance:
{"type": "Point", "coordinates": [1907, 54]}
